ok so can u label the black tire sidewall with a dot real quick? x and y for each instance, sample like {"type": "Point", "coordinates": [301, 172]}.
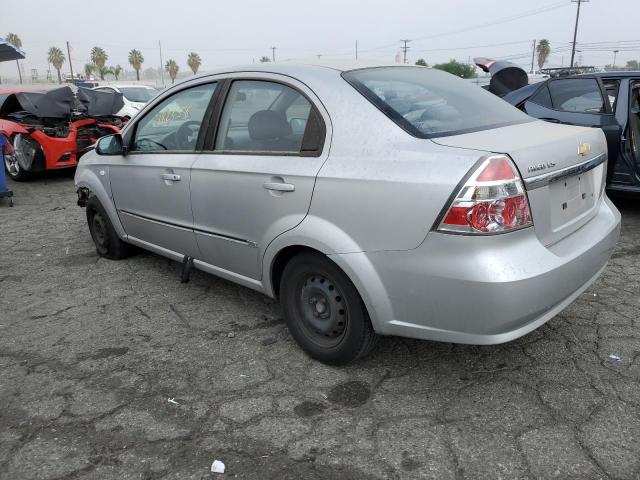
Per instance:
{"type": "Point", "coordinates": [358, 320]}
{"type": "Point", "coordinates": [113, 245]}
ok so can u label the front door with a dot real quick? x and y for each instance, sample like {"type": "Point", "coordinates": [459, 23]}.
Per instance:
{"type": "Point", "coordinates": [257, 180]}
{"type": "Point", "coordinates": [150, 185]}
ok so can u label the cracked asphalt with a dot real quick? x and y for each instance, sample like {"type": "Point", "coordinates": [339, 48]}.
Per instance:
{"type": "Point", "coordinates": [91, 351]}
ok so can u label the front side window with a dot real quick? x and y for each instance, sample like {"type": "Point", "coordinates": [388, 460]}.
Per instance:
{"type": "Point", "coordinates": [263, 116]}
{"type": "Point", "coordinates": [174, 124]}
{"type": "Point", "coordinates": [580, 95]}
{"type": "Point", "coordinates": [431, 103]}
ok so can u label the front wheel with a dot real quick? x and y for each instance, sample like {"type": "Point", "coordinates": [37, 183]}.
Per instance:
{"type": "Point", "coordinates": [21, 148]}
{"type": "Point", "coordinates": [104, 236]}
{"type": "Point", "coordinates": [324, 311]}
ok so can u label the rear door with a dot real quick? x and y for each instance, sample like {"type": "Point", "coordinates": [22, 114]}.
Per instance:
{"type": "Point", "coordinates": [257, 179]}
{"type": "Point", "coordinates": [575, 101]}
{"type": "Point", "coordinates": [578, 101]}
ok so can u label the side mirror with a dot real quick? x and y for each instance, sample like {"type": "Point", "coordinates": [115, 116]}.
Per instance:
{"type": "Point", "coordinates": [110, 145]}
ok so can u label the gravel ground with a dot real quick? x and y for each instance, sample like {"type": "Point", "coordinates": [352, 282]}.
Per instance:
{"type": "Point", "coordinates": [92, 350]}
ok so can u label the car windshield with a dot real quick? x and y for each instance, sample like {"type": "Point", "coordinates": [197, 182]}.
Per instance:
{"type": "Point", "coordinates": [431, 103]}
{"type": "Point", "coordinates": [138, 94]}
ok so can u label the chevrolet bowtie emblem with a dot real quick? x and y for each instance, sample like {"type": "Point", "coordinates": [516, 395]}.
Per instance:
{"type": "Point", "coordinates": [584, 149]}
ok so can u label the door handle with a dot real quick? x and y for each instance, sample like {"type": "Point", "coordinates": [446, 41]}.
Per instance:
{"type": "Point", "coordinates": [170, 176]}
{"type": "Point", "coordinates": [279, 187]}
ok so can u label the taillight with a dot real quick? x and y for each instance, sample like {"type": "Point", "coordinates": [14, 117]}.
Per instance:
{"type": "Point", "coordinates": [492, 200]}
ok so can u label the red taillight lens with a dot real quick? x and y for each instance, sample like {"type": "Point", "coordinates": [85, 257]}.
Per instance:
{"type": "Point", "coordinates": [493, 200]}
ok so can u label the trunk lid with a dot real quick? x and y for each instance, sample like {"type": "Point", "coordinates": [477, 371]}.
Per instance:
{"type": "Point", "coordinates": [561, 166]}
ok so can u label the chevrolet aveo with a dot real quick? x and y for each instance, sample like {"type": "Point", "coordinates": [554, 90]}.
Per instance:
{"type": "Point", "coordinates": [374, 201]}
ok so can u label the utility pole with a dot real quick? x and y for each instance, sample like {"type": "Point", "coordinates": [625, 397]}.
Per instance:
{"type": "Point", "coordinates": [161, 66]}
{"type": "Point", "coordinates": [356, 49]}
{"type": "Point", "coordinates": [533, 55]}
{"type": "Point", "coordinates": [615, 54]}
{"type": "Point", "coordinates": [404, 48]}
{"type": "Point", "coordinates": [575, 31]}
{"type": "Point", "coordinates": [273, 53]}
{"type": "Point", "coordinates": [70, 62]}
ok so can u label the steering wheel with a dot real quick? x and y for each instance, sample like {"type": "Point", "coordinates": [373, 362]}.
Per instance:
{"type": "Point", "coordinates": [141, 141]}
{"type": "Point", "coordinates": [185, 131]}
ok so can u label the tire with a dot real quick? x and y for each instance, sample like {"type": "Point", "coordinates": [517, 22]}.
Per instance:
{"type": "Point", "coordinates": [105, 237]}
{"type": "Point", "coordinates": [324, 311]}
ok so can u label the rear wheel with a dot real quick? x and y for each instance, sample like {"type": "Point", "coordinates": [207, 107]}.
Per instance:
{"type": "Point", "coordinates": [105, 237]}
{"type": "Point", "coordinates": [324, 311]}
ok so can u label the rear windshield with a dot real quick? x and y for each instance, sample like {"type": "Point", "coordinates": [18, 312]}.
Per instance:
{"type": "Point", "coordinates": [430, 103]}
{"type": "Point", "coordinates": [138, 94]}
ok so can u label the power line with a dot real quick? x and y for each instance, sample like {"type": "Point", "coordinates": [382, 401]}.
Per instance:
{"type": "Point", "coordinates": [511, 18]}
{"type": "Point", "coordinates": [525, 14]}
{"type": "Point", "coordinates": [471, 46]}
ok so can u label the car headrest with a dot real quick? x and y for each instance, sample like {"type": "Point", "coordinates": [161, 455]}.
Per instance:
{"type": "Point", "coordinates": [268, 125]}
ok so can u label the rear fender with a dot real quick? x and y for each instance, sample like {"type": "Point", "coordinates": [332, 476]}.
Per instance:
{"type": "Point", "coordinates": [98, 185]}
{"type": "Point", "coordinates": [321, 235]}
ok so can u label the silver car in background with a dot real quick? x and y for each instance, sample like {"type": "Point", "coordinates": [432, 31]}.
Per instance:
{"type": "Point", "coordinates": [390, 200]}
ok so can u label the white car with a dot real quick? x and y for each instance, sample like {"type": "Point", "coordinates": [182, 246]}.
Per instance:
{"type": "Point", "coordinates": [135, 97]}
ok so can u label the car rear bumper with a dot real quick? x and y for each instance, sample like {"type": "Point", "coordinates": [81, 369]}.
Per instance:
{"type": "Point", "coordinates": [482, 290]}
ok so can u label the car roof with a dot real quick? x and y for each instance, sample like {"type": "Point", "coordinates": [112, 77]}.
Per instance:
{"type": "Point", "coordinates": [297, 69]}
{"type": "Point", "coordinates": [614, 74]}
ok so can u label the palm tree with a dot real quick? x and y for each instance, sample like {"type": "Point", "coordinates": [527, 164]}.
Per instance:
{"type": "Point", "coordinates": [99, 57]}
{"type": "Point", "coordinates": [56, 58]}
{"type": "Point", "coordinates": [102, 71]}
{"type": "Point", "coordinates": [172, 69]}
{"type": "Point", "coordinates": [14, 40]}
{"type": "Point", "coordinates": [544, 50]}
{"type": "Point", "coordinates": [194, 61]}
{"type": "Point", "coordinates": [116, 71]}
{"type": "Point", "coordinates": [136, 59]}
{"type": "Point", "coordinates": [89, 68]}
{"type": "Point", "coordinates": [265, 59]}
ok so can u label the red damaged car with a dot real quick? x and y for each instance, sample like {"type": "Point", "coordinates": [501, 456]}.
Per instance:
{"type": "Point", "coordinates": [50, 130]}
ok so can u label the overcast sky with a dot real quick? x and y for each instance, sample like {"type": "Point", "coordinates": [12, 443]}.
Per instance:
{"type": "Point", "coordinates": [241, 31]}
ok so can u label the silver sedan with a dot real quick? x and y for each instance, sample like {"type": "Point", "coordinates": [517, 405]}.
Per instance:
{"type": "Point", "coordinates": [374, 201]}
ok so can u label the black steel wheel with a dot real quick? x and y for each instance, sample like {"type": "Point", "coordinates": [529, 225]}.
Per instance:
{"type": "Point", "coordinates": [324, 311]}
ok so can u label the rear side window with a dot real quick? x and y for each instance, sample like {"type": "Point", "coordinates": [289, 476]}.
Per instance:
{"type": "Point", "coordinates": [263, 116]}
{"type": "Point", "coordinates": [577, 95]}
{"type": "Point", "coordinates": [430, 103]}
{"type": "Point", "coordinates": [611, 87]}
{"type": "Point", "coordinates": [542, 97]}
